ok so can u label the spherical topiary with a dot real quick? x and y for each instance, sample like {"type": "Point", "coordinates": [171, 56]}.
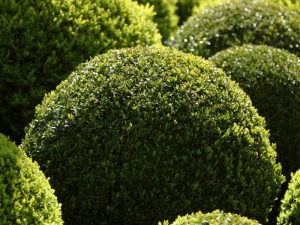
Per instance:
{"type": "Point", "coordinates": [294, 4]}
{"type": "Point", "coordinates": [271, 78]}
{"type": "Point", "coordinates": [25, 194]}
{"type": "Point", "coordinates": [216, 217]}
{"type": "Point", "coordinates": [290, 204]}
{"type": "Point", "coordinates": [139, 135]}
{"type": "Point", "coordinates": [238, 22]}
{"type": "Point", "coordinates": [165, 17]}
{"type": "Point", "coordinates": [42, 41]}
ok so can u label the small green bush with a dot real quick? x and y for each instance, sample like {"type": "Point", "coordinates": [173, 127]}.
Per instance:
{"type": "Point", "coordinates": [271, 78]}
{"type": "Point", "coordinates": [141, 134]}
{"type": "Point", "coordinates": [165, 17]}
{"type": "Point", "coordinates": [290, 204]}
{"type": "Point", "coordinates": [216, 217]}
{"type": "Point", "coordinates": [25, 194]}
{"type": "Point", "coordinates": [238, 22]}
{"type": "Point", "coordinates": [41, 42]}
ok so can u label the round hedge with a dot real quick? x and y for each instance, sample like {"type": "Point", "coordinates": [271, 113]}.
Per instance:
{"type": "Point", "coordinates": [142, 134]}
{"type": "Point", "coordinates": [216, 217]}
{"type": "Point", "coordinates": [165, 17]}
{"type": "Point", "coordinates": [25, 194]}
{"type": "Point", "coordinates": [271, 78]}
{"type": "Point", "coordinates": [202, 5]}
{"type": "Point", "coordinates": [290, 205]}
{"type": "Point", "coordinates": [238, 22]}
{"type": "Point", "coordinates": [41, 42]}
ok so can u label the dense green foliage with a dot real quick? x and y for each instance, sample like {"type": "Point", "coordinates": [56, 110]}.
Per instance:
{"type": "Point", "coordinates": [271, 78]}
{"type": "Point", "coordinates": [290, 205]}
{"type": "Point", "coordinates": [293, 4]}
{"type": "Point", "coordinates": [26, 197]}
{"type": "Point", "coordinates": [144, 134]}
{"type": "Point", "coordinates": [216, 217]}
{"type": "Point", "coordinates": [165, 17]}
{"type": "Point", "coordinates": [42, 41]}
{"type": "Point", "coordinates": [238, 22]}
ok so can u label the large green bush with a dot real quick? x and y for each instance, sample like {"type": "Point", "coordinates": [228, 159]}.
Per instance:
{"type": "Point", "coordinates": [26, 197]}
{"type": "Point", "coordinates": [290, 205]}
{"type": "Point", "coordinates": [271, 78]}
{"type": "Point", "coordinates": [165, 17]}
{"type": "Point", "coordinates": [140, 135]}
{"type": "Point", "coordinates": [238, 22]}
{"type": "Point", "coordinates": [42, 41]}
{"type": "Point", "coordinates": [216, 217]}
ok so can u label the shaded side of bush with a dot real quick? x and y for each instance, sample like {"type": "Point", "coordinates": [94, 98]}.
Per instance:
{"type": "Point", "coordinates": [271, 78]}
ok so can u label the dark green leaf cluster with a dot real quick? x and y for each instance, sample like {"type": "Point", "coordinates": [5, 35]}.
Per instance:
{"type": "Point", "coordinates": [25, 194]}
{"type": "Point", "coordinates": [216, 217]}
{"type": "Point", "coordinates": [139, 135]}
{"type": "Point", "coordinates": [238, 22]}
{"type": "Point", "coordinates": [41, 42]}
{"type": "Point", "coordinates": [271, 78]}
{"type": "Point", "coordinates": [165, 17]}
{"type": "Point", "coordinates": [185, 9]}
{"type": "Point", "coordinates": [290, 205]}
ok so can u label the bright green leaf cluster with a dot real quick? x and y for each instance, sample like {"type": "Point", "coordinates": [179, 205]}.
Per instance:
{"type": "Point", "coordinates": [271, 78]}
{"type": "Point", "coordinates": [26, 197]}
{"type": "Point", "coordinates": [41, 42]}
{"type": "Point", "coordinates": [238, 22]}
{"type": "Point", "coordinates": [138, 135]}
{"type": "Point", "coordinates": [216, 217]}
{"type": "Point", "coordinates": [165, 17]}
{"type": "Point", "coordinates": [290, 205]}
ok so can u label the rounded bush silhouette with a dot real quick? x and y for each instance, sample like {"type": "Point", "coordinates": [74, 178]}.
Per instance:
{"type": "Point", "coordinates": [216, 217]}
{"type": "Point", "coordinates": [25, 194]}
{"type": "Point", "coordinates": [41, 42]}
{"type": "Point", "coordinates": [137, 135]}
{"type": "Point", "coordinates": [238, 22]}
{"type": "Point", "coordinates": [290, 205]}
{"type": "Point", "coordinates": [165, 17]}
{"type": "Point", "coordinates": [271, 78]}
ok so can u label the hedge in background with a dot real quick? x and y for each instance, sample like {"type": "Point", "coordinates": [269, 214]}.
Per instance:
{"type": "Point", "coordinates": [290, 205]}
{"type": "Point", "coordinates": [185, 9]}
{"type": "Point", "coordinates": [238, 22]}
{"type": "Point", "coordinates": [143, 134]}
{"type": "Point", "coordinates": [216, 217]}
{"type": "Point", "coordinates": [42, 41]}
{"type": "Point", "coordinates": [202, 5]}
{"type": "Point", "coordinates": [165, 17]}
{"type": "Point", "coordinates": [25, 194]}
{"type": "Point", "coordinates": [271, 78]}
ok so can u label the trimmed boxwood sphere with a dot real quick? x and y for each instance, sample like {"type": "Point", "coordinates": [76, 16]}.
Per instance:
{"type": "Point", "coordinates": [139, 135]}
{"type": "Point", "coordinates": [238, 22]}
{"type": "Point", "coordinates": [25, 194]}
{"type": "Point", "coordinates": [165, 17]}
{"type": "Point", "coordinates": [216, 217]}
{"type": "Point", "coordinates": [290, 205]}
{"type": "Point", "coordinates": [271, 78]}
{"type": "Point", "coordinates": [41, 42]}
